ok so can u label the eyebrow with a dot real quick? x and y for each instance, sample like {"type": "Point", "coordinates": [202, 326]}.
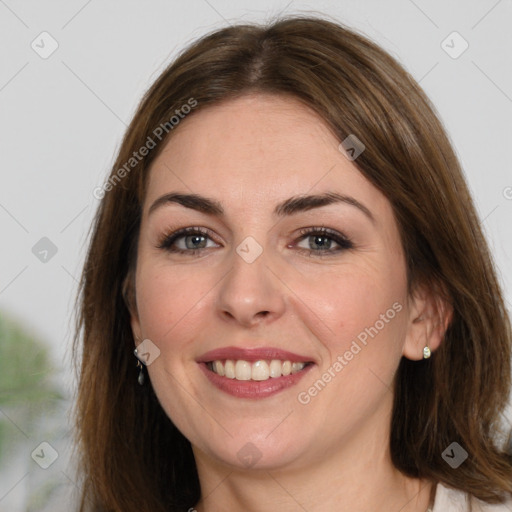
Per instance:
{"type": "Point", "coordinates": [308, 202]}
{"type": "Point", "coordinates": [290, 206]}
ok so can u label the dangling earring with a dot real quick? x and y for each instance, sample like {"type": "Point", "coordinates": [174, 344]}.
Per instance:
{"type": "Point", "coordinates": [140, 378]}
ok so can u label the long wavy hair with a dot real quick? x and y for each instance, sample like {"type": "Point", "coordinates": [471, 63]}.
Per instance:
{"type": "Point", "coordinates": [132, 456]}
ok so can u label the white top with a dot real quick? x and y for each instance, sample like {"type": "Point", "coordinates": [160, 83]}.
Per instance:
{"type": "Point", "coordinates": [451, 500]}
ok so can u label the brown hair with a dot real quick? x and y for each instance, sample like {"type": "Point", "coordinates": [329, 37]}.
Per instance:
{"type": "Point", "coordinates": [133, 457]}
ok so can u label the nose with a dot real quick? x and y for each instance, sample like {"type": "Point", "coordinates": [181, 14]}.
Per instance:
{"type": "Point", "coordinates": [250, 293]}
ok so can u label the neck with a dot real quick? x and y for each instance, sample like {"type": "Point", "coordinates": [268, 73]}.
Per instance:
{"type": "Point", "coordinates": [356, 478]}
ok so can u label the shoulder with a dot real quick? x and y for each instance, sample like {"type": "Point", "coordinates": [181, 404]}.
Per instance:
{"type": "Point", "coordinates": [453, 500]}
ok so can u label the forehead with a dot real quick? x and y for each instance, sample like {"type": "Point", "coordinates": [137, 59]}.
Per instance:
{"type": "Point", "coordinates": [256, 149]}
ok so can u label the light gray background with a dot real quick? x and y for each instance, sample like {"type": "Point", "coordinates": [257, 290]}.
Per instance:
{"type": "Point", "coordinates": [62, 119]}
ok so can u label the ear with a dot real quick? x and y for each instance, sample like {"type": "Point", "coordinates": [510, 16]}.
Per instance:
{"type": "Point", "coordinates": [430, 314]}
{"type": "Point", "coordinates": [128, 292]}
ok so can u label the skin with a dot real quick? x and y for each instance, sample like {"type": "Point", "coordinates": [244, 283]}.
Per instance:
{"type": "Point", "coordinates": [332, 453]}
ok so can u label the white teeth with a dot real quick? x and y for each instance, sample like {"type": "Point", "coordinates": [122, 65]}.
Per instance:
{"type": "Point", "coordinates": [275, 368]}
{"type": "Point", "coordinates": [242, 370]}
{"type": "Point", "coordinates": [259, 370]}
{"type": "Point", "coordinates": [229, 368]}
{"type": "Point", "coordinates": [217, 365]}
{"type": "Point", "coordinates": [297, 367]}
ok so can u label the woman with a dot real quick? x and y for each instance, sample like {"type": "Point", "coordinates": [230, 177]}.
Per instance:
{"type": "Point", "coordinates": [287, 241]}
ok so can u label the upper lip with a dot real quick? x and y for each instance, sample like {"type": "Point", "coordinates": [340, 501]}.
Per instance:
{"type": "Point", "coordinates": [252, 354]}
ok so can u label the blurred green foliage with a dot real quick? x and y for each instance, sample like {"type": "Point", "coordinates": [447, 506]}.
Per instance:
{"type": "Point", "coordinates": [26, 386]}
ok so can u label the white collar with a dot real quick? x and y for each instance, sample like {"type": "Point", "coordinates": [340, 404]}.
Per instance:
{"type": "Point", "coordinates": [454, 500]}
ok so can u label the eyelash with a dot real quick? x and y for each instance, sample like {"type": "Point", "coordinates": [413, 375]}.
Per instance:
{"type": "Point", "coordinates": [341, 240]}
{"type": "Point", "coordinates": [168, 239]}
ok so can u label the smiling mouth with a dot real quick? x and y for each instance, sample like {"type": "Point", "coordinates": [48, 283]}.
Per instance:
{"type": "Point", "coordinates": [260, 370]}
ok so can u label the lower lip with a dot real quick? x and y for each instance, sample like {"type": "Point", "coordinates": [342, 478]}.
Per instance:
{"type": "Point", "coordinates": [253, 388]}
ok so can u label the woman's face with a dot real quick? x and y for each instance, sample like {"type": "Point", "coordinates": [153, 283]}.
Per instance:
{"type": "Point", "coordinates": [264, 276]}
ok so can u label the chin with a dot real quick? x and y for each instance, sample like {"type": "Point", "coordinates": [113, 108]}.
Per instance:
{"type": "Point", "coordinates": [254, 452]}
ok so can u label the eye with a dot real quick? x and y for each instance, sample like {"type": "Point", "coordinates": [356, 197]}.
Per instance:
{"type": "Point", "coordinates": [188, 241]}
{"type": "Point", "coordinates": [320, 241]}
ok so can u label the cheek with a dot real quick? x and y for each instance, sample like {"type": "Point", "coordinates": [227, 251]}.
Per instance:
{"type": "Point", "coordinates": [170, 301]}
{"type": "Point", "coordinates": [360, 320]}
{"type": "Point", "coordinates": [342, 305]}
